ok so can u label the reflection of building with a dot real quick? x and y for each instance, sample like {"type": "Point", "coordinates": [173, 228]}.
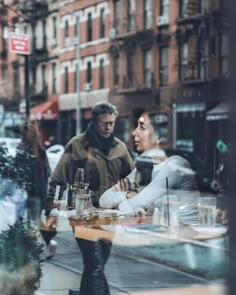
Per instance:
{"type": "Point", "coordinates": [94, 62]}
{"type": "Point", "coordinates": [172, 56]}
{"type": "Point", "coordinates": [167, 56]}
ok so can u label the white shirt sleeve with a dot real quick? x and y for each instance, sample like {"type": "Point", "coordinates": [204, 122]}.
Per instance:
{"type": "Point", "coordinates": [112, 198]}
{"type": "Point", "coordinates": [172, 171]}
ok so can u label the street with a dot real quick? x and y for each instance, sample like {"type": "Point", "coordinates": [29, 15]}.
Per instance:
{"type": "Point", "coordinates": [125, 272]}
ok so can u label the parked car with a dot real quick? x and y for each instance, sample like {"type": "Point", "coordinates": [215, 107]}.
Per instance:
{"type": "Point", "coordinates": [203, 173]}
{"type": "Point", "coordinates": [10, 144]}
{"type": "Point", "coordinates": [54, 154]}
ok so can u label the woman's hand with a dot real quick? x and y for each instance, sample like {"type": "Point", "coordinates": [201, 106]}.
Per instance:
{"type": "Point", "coordinates": [123, 185]}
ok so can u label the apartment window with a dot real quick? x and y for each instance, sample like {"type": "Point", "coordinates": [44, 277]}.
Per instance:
{"type": "Point", "coordinates": [224, 54]}
{"type": "Point", "coordinates": [77, 19]}
{"type": "Point", "coordinates": [117, 15]}
{"type": "Point", "coordinates": [25, 28]}
{"type": "Point", "coordinates": [164, 9]}
{"type": "Point", "coordinates": [4, 36]}
{"type": "Point", "coordinates": [44, 34]}
{"type": "Point", "coordinates": [44, 79]}
{"type": "Point", "coordinates": [131, 15]}
{"type": "Point", "coordinates": [163, 66]}
{"type": "Point", "coordinates": [66, 40]}
{"type": "Point", "coordinates": [54, 30]}
{"type": "Point", "coordinates": [203, 64]}
{"type": "Point", "coordinates": [89, 72]}
{"type": "Point", "coordinates": [130, 69]}
{"type": "Point", "coordinates": [183, 8]}
{"type": "Point", "coordinates": [116, 70]}
{"type": "Point", "coordinates": [147, 14]}
{"type": "Point", "coordinates": [183, 61]}
{"type": "Point", "coordinates": [90, 27]}
{"type": "Point", "coordinates": [101, 74]}
{"type": "Point", "coordinates": [15, 25]}
{"type": "Point", "coordinates": [102, 23]}
{"type": "Point", "coordinates": [147, 64]}
{"type": "Point", "coordinates": [54, 78]}
{"type": "Point", "coordinates": [66, 80]}
{"type": "Point", "coordinates": [4, 72]}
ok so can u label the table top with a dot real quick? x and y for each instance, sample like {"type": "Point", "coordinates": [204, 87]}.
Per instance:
{"type": "Point", "coordinates": [194, 290]}
{"type": "Point", "coordinates": [126, 229]}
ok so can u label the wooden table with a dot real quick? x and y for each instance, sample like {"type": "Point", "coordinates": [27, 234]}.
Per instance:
{"type": "Point", "coordinates": [195, 290]}
{"type": "Point", "coordinates": [124, 229]}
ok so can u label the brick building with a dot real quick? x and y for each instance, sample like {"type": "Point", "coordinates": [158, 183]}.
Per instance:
{"type": "Point", "coordinates": [168, 56]}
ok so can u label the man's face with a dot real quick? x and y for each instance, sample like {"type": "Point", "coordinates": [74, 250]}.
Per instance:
{"type": "Point", "coordinates": [104, 124]}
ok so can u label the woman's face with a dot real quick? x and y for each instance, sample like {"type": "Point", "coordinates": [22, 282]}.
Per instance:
{"type": "Point", "coordinates": [144, 135]}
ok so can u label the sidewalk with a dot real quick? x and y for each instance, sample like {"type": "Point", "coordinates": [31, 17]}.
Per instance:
{"type": "Point", "coordinates": [57, 280]}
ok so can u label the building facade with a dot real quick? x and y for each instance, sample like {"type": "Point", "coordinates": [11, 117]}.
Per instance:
{"type": "Point", "coordinates": [170, 57]}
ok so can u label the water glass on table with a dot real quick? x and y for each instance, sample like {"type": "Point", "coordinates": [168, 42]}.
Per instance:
{"type": "Point", "coordinates": [207, 211]}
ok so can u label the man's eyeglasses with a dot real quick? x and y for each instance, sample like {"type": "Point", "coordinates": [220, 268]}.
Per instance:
{"type": "Point", "coordinates": [106, 124]}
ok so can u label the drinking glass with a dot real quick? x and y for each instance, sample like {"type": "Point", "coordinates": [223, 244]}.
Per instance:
{"type": "Point", "coordinates": [207, 211]}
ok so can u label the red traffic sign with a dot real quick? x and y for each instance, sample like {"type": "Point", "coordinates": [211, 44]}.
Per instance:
{"type": "Point", "coordinates": [19, 43]}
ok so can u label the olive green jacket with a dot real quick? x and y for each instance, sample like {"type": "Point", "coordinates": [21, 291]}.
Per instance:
{"type": "Point", "coordinates": [104, 171]}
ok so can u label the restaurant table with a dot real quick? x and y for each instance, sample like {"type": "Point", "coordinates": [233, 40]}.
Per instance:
{"type": "Point", "coordinates": [201, 252]}
{"type": "Point", "coordinates": [194, 290]}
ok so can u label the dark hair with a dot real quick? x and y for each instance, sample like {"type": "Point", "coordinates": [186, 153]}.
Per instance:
{"type": "Point", "coordinates": [103, 107]}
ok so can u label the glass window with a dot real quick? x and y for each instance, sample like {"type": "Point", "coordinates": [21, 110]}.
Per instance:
{"type": "Point", "coordinates": [130, 70]}
{"type": "Point", "coordinates": [116, 70]}
{"type": "Point", "coordinates": [164, 7]}
{"type": "Point", "coordinates": [131, 14]}
{"type": "Point", "coordinates": [54, 78]}
{"type": "Point", "coordinates": [183, 8]}
{"type": "Point", "coordinates": [147, 65]}
{"type": "Point", "coordinates": [102, 23]}
{"type": "Point", "coordinates": [89, 72]}
{"type": "Point", "coordinates": [54, 29]}
{"type": "Point", "coordinates": [147, 14]}
{"type": "Point", "coordinates": [117, 7]}
{"type": "Point", "coordinates": [163, 66]}
{"type": "Point", "coordinates": [90, 27]}
{"type": "Point", "coordinates": [4, 36]}
{"type": "Point", "coordinates": [66, 80]}
{"type": "Point", "coordinates": [66, 34]}
{"type": "Point", "coordinates": [101, 73]}
{"type": "Point", "coordinates": [183, 62]}
{"type": "Point", "coordinates": [224, 54]}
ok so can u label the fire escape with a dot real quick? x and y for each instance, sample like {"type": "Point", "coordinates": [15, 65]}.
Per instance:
{"type": "Point", "coordinates": [193, 35]}
{"type": "Point", "coordinates": [126, 37]}
{"type": "Point", "coordinates": [35, 14]}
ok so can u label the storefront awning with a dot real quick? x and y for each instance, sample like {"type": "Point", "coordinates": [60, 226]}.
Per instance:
{"type": "Point", "coordinates": [220, 112]}
{"type": "Point", "coordinates": [47, 110]}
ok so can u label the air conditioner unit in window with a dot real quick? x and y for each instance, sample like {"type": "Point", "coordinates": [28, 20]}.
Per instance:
{"type": "Point", "coordinates": [162, 20]}
{"type": "Point", "coordinates": [87, 86]}
{"type": "Point", "coordinates": [112, 33]}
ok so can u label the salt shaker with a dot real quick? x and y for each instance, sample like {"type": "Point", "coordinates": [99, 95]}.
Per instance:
{"type": "Point", "coordinates": [156, 216]}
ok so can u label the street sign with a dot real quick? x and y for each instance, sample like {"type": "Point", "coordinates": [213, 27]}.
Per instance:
{"type": "Point", "coordinates": [19, 43]}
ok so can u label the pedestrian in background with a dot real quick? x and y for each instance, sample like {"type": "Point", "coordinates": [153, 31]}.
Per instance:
{"type": "Point", "coordinates": [33, 171]}
{"type": "Point", "coordinates": [105, 159]}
